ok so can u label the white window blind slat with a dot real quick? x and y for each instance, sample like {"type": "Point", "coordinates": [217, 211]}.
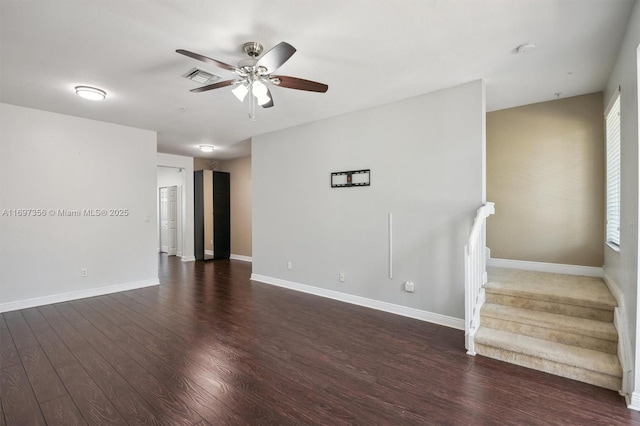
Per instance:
{"type": "Point", "coordinates": [612, 123]}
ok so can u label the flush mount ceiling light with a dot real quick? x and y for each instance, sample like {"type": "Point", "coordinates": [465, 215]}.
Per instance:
{"type": "Point", "coordinates": [91, 93]}
{"type": "Point", "coordinates": [206, 148]}
{"type": "Point", "coordinates": [524, 48]}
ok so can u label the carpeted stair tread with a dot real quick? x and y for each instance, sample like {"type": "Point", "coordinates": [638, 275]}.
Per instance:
{"type": "Point", "coordinates": [568, 324]}
{"type": "Point", "coordinates": [552, 307]}
{"type": "Point", "coordinates": [544, 286]}
{"type": "Point", "coordinates": [545, 350]}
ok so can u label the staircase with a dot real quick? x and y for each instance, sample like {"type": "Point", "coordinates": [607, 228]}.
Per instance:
{"type": "Point", "coordinates": [560, 324]}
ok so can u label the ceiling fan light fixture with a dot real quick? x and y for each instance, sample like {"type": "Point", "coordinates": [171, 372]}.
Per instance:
{"type": "Point", "coordinates": [240, 92]}
{"type": "Point", "coordinates": [261, 92]}
{"type": "Point", "coordinates": [259, 88]}
{"type": "Point", "coordinates": [206, 148]}
{"type": "Point", "coordinates": [263, 99]}
{"type": "Point", "coordinates": [91, 93]}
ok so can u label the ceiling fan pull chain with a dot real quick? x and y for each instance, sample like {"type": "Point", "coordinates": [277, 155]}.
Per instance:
{"type": "Point", "coordinates": [253, 102]}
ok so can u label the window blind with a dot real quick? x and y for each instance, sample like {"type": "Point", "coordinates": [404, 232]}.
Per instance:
{"type": "Point", "coordinates": [612, 123]}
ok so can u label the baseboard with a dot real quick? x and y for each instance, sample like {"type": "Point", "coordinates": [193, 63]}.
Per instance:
{"type": "Point", "coordinates": [614, 288]}
{"type": "Point", "coordinates": [188, 258]}
{"type": "Point", "coordinates": [634, 404]}
{"type": "Point", "coordinates": [209, 252]}
{"type": "Point", "coordinates": [621, 322]}
{"type": "Point", "coordinates": [73, 295]}
{"type": "Point", "coordinates": [556, 268]}
{"type": "Point", "coordinates": [241, 257]}
{"type": "Point", "coordinates": [405, 311]}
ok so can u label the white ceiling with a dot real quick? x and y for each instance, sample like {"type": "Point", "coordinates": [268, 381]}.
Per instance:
{"type": "Point", "coordinates": [369, 52]}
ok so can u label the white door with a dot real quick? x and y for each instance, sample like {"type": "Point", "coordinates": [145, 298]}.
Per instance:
{"type": "Point", "coordinates": [164, 223]}
{"type": "Point", "coordinates": [172, 220]}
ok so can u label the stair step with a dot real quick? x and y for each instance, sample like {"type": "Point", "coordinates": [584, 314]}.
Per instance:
{"type": "Point", "coordinates": [580, 296]}
{"type": "Point", "coordinates": [551, 307]}
{"type": "Point", "coordinates": [585, 365]}
{"type": "Point", "coordinates": [570, 289]}
{"type": "Point", "coordinates": [580, 332]}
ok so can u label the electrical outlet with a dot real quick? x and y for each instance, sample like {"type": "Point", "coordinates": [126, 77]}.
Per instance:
{"type": "Point", "coordinates": [341, 277]}
{"type": "Point", "coordinates": [409, 287]}
{"type": "Point", "coordinates": [84, 272]}
{"type": "Point", "coordinates": [289, 265]}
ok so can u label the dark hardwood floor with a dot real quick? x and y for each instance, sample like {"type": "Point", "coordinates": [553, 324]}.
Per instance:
{"type": "Point", "coordinates": [209, 346]}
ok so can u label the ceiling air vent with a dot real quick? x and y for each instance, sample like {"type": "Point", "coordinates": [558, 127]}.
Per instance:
{"type": "Point", "coordinates": [201, 76]}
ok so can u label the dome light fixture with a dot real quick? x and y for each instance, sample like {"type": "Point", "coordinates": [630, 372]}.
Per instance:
{"type": "Point", "coordinates": [91, 93]}
{"type": "Point", "coordinates": [206, 148]}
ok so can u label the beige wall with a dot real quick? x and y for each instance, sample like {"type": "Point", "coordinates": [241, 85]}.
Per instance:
{"type": "Point", "coordinates": [201, 164]}
{"type": "Point", "coordinates": [240, 176]}
{"type": "Point", "coordinates": [545, 172]}
{"type": "Point", "coordinates": [240, 173]}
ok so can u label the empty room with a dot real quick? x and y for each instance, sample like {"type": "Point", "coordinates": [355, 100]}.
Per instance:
{"type": "Point", "coordinates": [319, 213]}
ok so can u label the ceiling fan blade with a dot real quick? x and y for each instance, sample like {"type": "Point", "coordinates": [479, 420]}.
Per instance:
{"type": "Point", "coordinates": [298, 83]}
{"type": "Point", "coordinates": [270, 103]}
{"type": "Point", "coordinates": [214, 86]}
{"type": "Point", "coordinates": [207, 60]}
{"type": "Point", "coordinates": [278, 55]}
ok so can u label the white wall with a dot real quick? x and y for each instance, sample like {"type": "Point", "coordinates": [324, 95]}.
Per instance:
{"type": "Point", "coordinates": [172, 176]}
{"type": "Point", "coordinates": [186, 164]}
{"type": "Point", "coordinates": [53, 161]}
{"type": "Point", "coordinates": [426, 161]}
{"type": "Point", "coordinates": [622, 266]}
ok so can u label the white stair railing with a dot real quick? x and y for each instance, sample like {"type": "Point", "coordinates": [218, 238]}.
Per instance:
{"type": "Point", "coordinates": [475, 274]}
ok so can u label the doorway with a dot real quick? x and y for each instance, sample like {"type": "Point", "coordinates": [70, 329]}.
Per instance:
{"type": "Point", "coordinates": [212, 227]}
{"type": "Point", "coordinates": [170, 210]}
{"type": "Point", "coordinates": [168, 219]}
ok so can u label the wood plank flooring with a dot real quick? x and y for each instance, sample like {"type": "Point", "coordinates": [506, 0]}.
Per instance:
{"type": "Point", "coordinates": [209, 346]}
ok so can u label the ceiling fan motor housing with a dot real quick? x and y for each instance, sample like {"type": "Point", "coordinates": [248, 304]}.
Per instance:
{"type": "Point", "coordinates": [252, 48]}
{"type": "Point", "coordinates": [247, 65]}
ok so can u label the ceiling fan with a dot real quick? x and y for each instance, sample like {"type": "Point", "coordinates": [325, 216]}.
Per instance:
{"type": "Point", "coordinates": [254, 75]}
